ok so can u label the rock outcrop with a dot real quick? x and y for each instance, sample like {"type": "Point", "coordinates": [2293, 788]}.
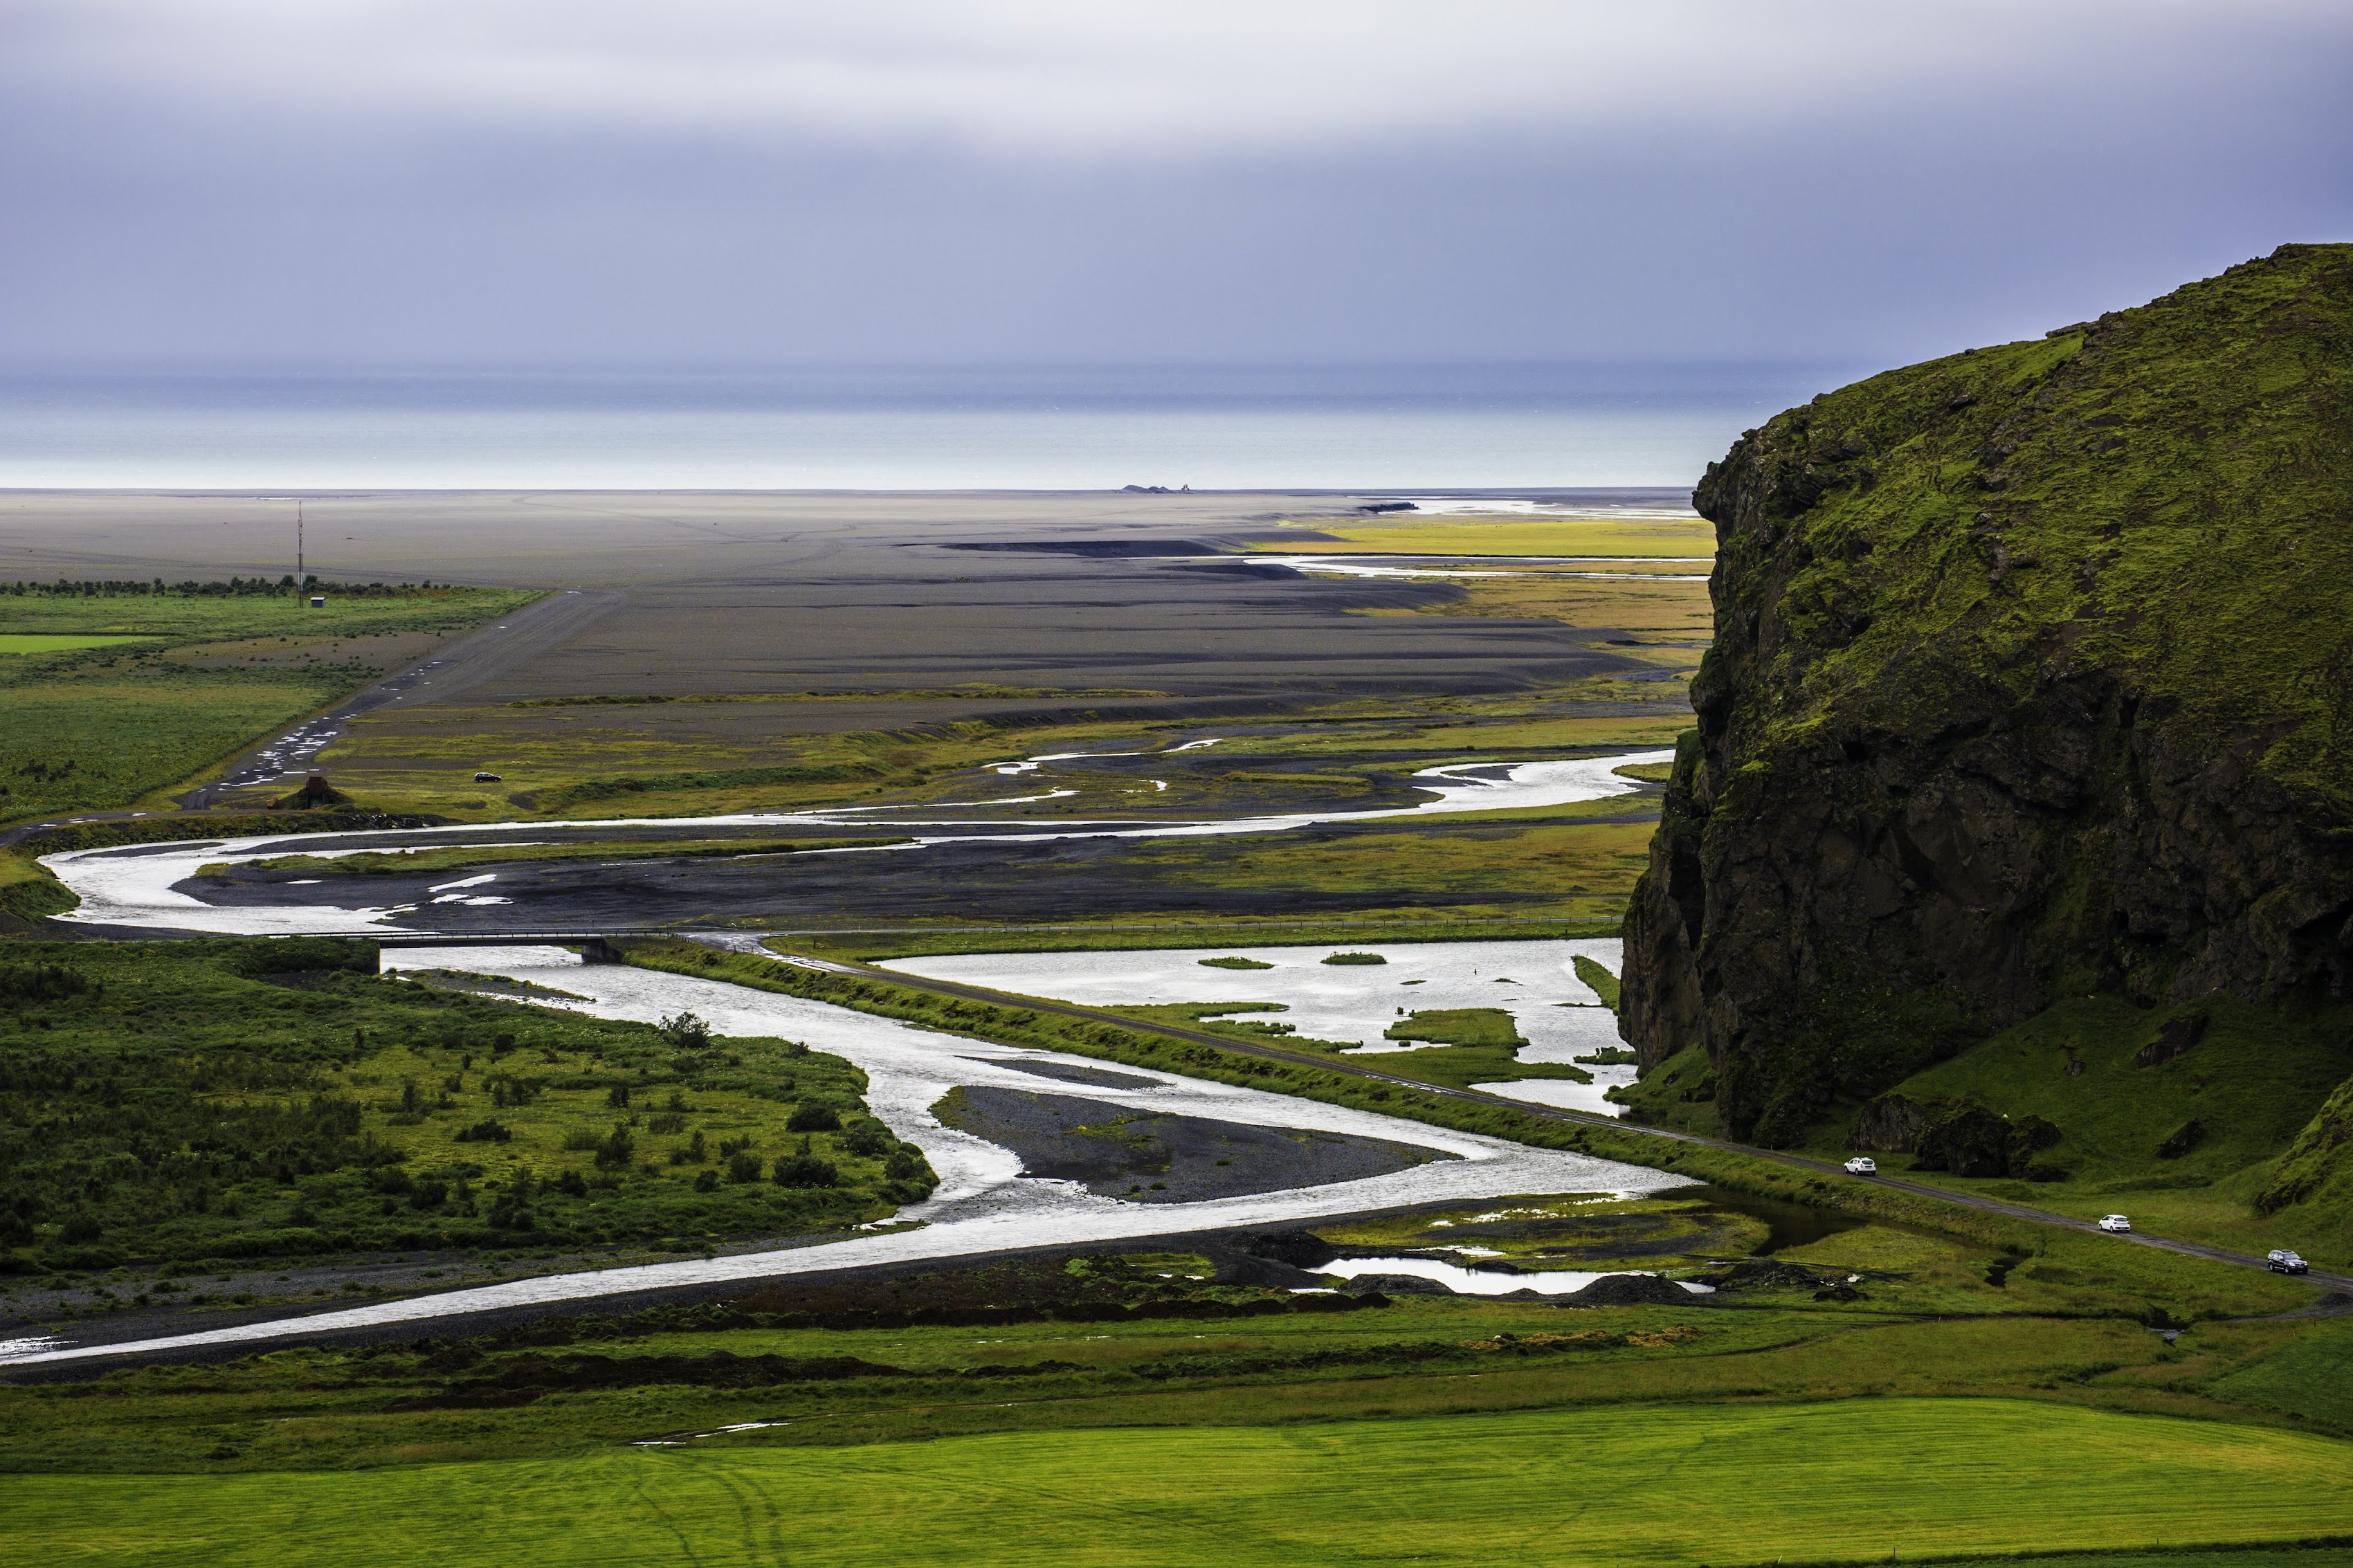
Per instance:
{"type": "Point", "coordinates": [2033, 676]}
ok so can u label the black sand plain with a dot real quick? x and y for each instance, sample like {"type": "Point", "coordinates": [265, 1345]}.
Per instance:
{"type": "Point", "coordinates": [1063, 608]}
{"type": "Point", "coordinates": [720, 593]}
{"type": "Point", "coordinates": [1155, 1157]}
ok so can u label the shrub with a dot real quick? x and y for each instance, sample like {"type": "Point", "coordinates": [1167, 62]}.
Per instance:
{"type": "Point", "coordinates": [22, 982]}
{"type": "Point", "coordinates": [866, 1140]}
{"type": "Point", "coordinates": [907, 1167]}
{"type": "Point", "coordinates": [806, 1171]}
{"type": "Point", "coordinates": [616, 1148]}
{"type": "Point", "coordinates": [685, 1033]}
{"type": "Point", "coordinates": [814, 1118]}
{"type": "Point", "coordinates": [489, 1129]}
{"type": "Point", "coordinates": [743, 1167]}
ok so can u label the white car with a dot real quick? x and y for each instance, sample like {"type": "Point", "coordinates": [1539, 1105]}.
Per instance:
{"type": "Point", "coordinates": [1863, 1165]}
{"type": "Point", "coordinates": [2114, 1222]}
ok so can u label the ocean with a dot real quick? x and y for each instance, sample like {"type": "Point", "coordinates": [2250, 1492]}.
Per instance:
{"type": "Point", "coordinates": [1415, 427]}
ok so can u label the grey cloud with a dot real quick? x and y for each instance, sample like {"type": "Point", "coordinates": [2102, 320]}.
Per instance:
{"type": "Point", "coordinates": [335, 181]}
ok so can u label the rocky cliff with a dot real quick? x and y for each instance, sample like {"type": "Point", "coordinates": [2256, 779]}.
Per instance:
{"type": "Point", "coordinates": [2033, 678]}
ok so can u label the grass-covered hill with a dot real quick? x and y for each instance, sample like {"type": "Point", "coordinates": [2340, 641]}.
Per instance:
{"type": "Point", "coordinates": [210, 1100]}
{"type": "Point", "coordinates": [2030, 685]}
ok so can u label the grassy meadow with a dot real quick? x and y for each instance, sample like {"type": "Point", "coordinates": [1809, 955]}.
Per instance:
{"type": "Point", "coordinates": [107, 698]}
{"type": "Point", "coordinates": [1573, 871]}
{"type": "Point", "coordinates": [2188, 1144]}
{"type": "Point", "coordinates": [1882, 1479]}
{"type": "Point", "coordinates": [185, 1105]}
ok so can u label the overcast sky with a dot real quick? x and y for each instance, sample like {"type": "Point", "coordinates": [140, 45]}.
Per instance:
{"type": "Point", "coordinates": [723, 182]}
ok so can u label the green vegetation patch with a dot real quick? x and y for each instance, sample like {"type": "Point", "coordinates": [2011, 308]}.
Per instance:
{"type": "Point", "coordinates": [41, 642]}
{"type": "Point", "coordinates": [2317, 1173]}
{"type": "Point", "coordinates": [1356, 958]}
{"type": "Point", "coordinates": [1484, 1026]}
{"type": "Point", "coordinates": [1603, 984]}
{"type": "Point", "coordinates": [2310, 1376]}
{"type": "Point", "coordinates": [1234, 963]}
{"type": "Point", "coordinates": [278, 1098]}
{"type": "Point", "coordinates": [126, 689]}
{"type": "Point", "coordinates": [1907, 1475]}
{"type": "Point", "coordinates": [2119, 1081]}
{"type": "Point", "coordinates": [1580, 1231]}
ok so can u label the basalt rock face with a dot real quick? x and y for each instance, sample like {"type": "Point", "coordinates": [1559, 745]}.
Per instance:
{"type": "Point", "coordinates": [2033, 676]}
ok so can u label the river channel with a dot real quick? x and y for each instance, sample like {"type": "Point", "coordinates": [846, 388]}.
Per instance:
{"type": "Point", "coordinates": [986, 1203]}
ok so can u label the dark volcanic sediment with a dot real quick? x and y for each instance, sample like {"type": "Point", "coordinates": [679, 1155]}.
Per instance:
{"type": "Point", "coordinates": [1152, 1157]}
{"type": "Point", "coordinates": [2033, 678]}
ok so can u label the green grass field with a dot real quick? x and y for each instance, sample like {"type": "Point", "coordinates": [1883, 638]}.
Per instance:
{"type": "Point", "coordinates": [225, 1099]}
{"type": "Point", "coordinates": [107, 699]}
{"type": "Point", "coordinates": [57, 642]}
{"type": "Point", "coordinates": [1846, 1480]}
{"type": "Point", "coordinates": [2311, 1377]}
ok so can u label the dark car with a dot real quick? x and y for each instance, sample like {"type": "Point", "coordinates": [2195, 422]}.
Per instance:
{"type": "Point", "coordinates": [2281, 1260]}
{"type": "Point", "coordinates": [487, 778]}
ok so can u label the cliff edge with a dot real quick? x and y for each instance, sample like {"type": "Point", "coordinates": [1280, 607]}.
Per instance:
{"type": "Point", "coordinates": [2032, 680]}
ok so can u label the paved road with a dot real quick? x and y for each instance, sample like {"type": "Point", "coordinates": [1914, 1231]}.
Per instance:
{"type": "Point", "coordinates": [1544, 1112]}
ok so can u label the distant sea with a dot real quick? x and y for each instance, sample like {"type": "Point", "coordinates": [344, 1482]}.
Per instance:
{"type": "Point", "coordinates": [1418, 427]}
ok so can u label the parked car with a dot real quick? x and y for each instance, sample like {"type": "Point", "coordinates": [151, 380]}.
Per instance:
{"type": "Point", "coordinates": [2283, 1260]}
{"type": "Point", "coordinates": [487, 778]}
{"type": "Point", "coordinates": [1863, 1165]}
{"type": "Point", "coordinates": [2114, 1222]}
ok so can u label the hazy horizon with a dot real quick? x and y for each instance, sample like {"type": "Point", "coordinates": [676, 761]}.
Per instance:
{"type": "Point", "coordinates": [889, 428]}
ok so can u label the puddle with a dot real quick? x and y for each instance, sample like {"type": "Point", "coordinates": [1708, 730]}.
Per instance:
{"type": "Point", "coordinates": [1481, 1281]}
{"type": "Point", "coordinates": [684, 1438]}
{"type": "Point", "coordinates": [1787, 1225]}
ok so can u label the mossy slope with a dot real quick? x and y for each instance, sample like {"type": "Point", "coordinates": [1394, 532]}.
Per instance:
{"type": "Point", "coordinates": [2030, 684]}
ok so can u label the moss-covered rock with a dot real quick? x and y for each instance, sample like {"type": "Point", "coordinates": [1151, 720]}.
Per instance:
{"type": "Point", "coordinates": [2031, 681]}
